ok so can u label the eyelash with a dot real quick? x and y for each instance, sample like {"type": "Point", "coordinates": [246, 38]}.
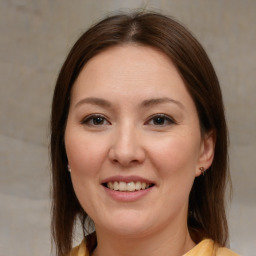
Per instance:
{"type": "Point", "coordinates": [90, 120]}
{"type": "Point", "coordinates": [164, 118]}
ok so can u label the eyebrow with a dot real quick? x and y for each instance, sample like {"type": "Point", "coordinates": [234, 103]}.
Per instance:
{"type": "Point", "coordinates": [145, 103]}
{"type": "Point", "coordinates": [156, 101]}
{"type": "Point", "coordinates": [95, 101]}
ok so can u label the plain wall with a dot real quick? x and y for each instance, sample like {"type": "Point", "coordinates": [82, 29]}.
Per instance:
{"type": "Point", "coordinates": [35, 38]}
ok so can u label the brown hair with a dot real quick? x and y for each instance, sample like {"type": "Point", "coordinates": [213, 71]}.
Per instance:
{"type": "Point", "coordinates": [206, 216]}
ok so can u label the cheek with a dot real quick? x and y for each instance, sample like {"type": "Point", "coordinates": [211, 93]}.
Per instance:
{"type": "Point", "coordinates": [176, 155]}
{"type": "Point", "coordinates": [175, 161]}
{"type": "Point", "coordinates": [85, 154]}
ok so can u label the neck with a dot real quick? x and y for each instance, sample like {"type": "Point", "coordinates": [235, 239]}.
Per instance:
{"type": "Point", "coordinates": [164, 243]}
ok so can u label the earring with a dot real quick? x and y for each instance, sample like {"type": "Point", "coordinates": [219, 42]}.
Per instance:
{"type": "Point", "coordinates": [202, 170]}
{"type": "Point", "coordinates": [69, 169]}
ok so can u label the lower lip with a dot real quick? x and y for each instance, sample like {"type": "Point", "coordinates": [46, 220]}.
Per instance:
{"type": "Point", "coordinates": [127, 196]}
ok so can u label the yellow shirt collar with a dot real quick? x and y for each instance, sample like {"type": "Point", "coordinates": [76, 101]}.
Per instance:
{"type": "Point", "coordinates": [206, 247]}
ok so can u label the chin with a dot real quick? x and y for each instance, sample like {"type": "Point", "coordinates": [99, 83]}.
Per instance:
{"type": "Point", "coordinates": [130, 231]}
{"type": "Point", "coordinates": [130, 224]}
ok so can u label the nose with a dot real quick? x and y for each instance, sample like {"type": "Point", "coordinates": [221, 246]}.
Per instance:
{"type": "Point", "coordinates": [127, 147]}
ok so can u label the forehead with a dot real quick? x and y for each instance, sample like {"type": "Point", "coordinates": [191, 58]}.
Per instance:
{"type": "Point", "coordinates": [137, 71]}
{"type": "Point", "coordinates": [130, 61]}
{"type": "Point", "coordinates": [131, 57]}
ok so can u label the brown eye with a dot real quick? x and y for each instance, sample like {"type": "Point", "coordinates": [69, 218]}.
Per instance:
{"type": "Point", "coordinates": [95, 120]}
{"type": "Point", "coordinates": [98, 120]}
{"type": "Point", "coordinates": [161, 120]}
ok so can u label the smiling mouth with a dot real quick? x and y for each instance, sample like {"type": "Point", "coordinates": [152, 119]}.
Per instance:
{"type": "Point", "coordinates": [128, 186]}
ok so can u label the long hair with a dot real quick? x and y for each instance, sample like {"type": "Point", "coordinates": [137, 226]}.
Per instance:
{"type": "Point", "coordinates": [206, 213]}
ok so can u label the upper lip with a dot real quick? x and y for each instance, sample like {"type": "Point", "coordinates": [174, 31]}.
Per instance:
{"type": "Point", "coordinates": [127, 179]}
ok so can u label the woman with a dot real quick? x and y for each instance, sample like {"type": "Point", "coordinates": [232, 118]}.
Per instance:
{"type": "Point", "coordinates": [139, 142]}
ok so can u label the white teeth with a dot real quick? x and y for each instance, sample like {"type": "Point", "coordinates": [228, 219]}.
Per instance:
{"type": "Point", "coordinates": [138, 185]}
{"type": "Point", "coordinates": [111, 185]}
{"type": "Point", "coordinates": [122, 186]}
{"type": "Point", "coordinates": [116, 185]}
{"type": "Point", "coordinates": [130, 186]}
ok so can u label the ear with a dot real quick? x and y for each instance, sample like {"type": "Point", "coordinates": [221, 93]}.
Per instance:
{"type": "Point", "coordinates": [206, 152]}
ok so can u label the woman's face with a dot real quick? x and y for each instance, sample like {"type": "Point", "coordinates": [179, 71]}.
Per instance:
{"type": "Point", "coordinates": [133, 142]}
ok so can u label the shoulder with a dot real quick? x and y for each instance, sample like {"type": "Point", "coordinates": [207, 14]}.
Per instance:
{"type": "Point", "coordinates": [207, 247]}
{"type": "Point", "coordinates": [80, 250]}
{"type": "Point", "coordinates": [222, 251]}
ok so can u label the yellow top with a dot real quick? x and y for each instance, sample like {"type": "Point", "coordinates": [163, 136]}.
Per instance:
{"type": "Point", "coordinates": [204, 248]}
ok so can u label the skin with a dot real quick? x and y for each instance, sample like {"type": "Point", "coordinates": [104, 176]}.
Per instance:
{"type": "Point", "coordinates": [128, 140]}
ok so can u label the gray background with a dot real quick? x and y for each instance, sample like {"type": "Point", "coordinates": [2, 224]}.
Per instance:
{"type": "Point", "coordinates": [35, 38]}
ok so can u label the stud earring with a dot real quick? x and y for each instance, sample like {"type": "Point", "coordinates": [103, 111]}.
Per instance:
{"type": "Point", "coordinates": [202, 170]}
{"type": "Point", "coordinates": [69, 169]}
